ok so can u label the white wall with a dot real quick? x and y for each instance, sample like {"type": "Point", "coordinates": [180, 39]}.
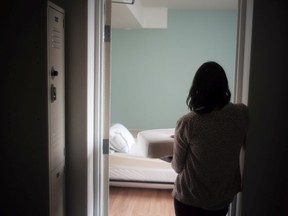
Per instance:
{"type": "Point", "coordinates": [152, 69]}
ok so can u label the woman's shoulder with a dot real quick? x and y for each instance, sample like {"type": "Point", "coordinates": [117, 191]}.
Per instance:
{"type": "Point", "coordinates": [188, 116]}
{"type": "Point", "coordinates": [186, 120]}
{"type": "Point", "coordinates": [184, 123]}
{"type": "Point", "coordinates": [239, 109]}
{"type": "Point", "coordinates": [237, 106]}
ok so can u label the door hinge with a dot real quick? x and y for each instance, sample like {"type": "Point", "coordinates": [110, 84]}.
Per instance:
{"type": "Point", "coordinates": [107, 33]}
{"type": "Point", "coordinates": [105, 146]}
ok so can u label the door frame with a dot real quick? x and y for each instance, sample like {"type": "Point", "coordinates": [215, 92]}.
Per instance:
{"type": "Point", "coordinates": [241, 91]}
{"type": "Point", "coordinates": [101, 101]}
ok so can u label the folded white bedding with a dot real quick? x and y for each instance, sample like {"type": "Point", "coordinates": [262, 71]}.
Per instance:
{"type": "Point", "coordinates": [154, 143]}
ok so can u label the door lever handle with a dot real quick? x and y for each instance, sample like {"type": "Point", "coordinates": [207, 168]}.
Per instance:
{"type": "Point", "coordinates": [54, 73]}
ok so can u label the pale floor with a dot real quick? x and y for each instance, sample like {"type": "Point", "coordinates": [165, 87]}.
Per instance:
{"type": "Point", "coordinates": [140, 202]}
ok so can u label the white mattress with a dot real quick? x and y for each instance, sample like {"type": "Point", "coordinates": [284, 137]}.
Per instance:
{"type": "Point", "coordinates": [127, 168]}
{"type": "Point", "coordinates": [153, 143]}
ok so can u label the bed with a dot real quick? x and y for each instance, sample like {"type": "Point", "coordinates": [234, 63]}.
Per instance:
{"type": "Point", "coordinates": [135, 161]}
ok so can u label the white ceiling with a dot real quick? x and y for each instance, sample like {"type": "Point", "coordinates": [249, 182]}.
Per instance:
{"type": "Point", "coordinates": [153, 13]}
{"type": "Point", "coordinates": [193, 4]}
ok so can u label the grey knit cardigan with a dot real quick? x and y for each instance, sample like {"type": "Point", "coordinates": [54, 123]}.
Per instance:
{"type": "Point", "coordinates": [206, 156]}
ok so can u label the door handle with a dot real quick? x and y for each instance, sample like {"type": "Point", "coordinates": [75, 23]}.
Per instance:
{"type": "Point", "coordinates": [54, 73]}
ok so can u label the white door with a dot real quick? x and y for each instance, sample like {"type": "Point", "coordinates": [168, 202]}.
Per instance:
{"type": "Point", "coordinates": [106, 104]}
{"type": "Point", "coordinates": [56, 107]}
{"type": "Point", "coordinates": [102, 104]}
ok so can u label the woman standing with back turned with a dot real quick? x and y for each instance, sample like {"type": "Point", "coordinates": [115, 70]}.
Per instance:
{"type": "Point", "coordinates": [207, 146]}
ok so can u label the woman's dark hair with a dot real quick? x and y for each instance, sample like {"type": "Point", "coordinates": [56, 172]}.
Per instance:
{"type": "Point", "coordinates": [209, 89]}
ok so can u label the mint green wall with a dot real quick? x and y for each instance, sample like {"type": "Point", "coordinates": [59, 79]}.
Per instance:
{"type": "Point", "coordinates": [152, 69]}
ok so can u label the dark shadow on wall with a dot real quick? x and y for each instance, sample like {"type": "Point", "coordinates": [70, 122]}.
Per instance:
{"type": "Point", "coordinates": [266, 167]}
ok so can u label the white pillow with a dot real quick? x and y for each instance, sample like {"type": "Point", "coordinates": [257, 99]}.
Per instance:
{"type": "Point", "coordinates": [120, 138]}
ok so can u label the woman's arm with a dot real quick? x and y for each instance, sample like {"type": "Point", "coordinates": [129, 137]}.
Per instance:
{"type": "Point", "coordinates": [180, 146]}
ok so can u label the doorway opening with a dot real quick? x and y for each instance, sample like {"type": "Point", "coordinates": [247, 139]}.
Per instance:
{"type": "Point", "coordinates": [151, 73]}
{"type": "Point", "coordinates": [139, 62]}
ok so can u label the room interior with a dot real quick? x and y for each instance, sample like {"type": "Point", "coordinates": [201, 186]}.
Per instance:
{"type": "Point", "coordinates": [148, 96]}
